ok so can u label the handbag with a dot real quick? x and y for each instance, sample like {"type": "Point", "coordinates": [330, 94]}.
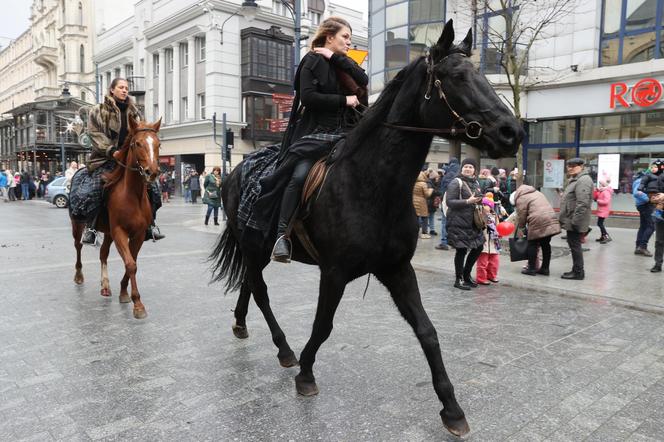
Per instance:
{"type": "Point", "coordinates": [478, 212]}
{"type": "Point", "coordinates": [212, 194]}
{"type": "Point", "coordinates": [518, 248]}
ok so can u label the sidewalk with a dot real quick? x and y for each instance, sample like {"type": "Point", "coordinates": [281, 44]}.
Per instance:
{"type": "Point", "coordinates": [614, 274]}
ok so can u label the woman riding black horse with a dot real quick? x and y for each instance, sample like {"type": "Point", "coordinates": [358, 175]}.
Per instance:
{"type": "Point", "coordinates": [329, 86]}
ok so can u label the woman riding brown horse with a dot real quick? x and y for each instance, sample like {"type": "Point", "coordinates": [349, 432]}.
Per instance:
{"type": "Point", "coordinates": [128, 207]}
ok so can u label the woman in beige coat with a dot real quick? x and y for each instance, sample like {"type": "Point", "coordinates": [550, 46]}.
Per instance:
{"type": "Point", "coordinates": [535, 212]}
{"type": "Point", "coordinates": [422, 192]}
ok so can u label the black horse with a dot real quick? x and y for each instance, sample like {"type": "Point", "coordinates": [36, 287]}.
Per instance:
{"type": "Point", "coordinates": [363, 220]}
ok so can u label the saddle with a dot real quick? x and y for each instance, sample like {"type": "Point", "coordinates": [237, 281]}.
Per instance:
{"type": "Point", "coordinates": [312, 186]}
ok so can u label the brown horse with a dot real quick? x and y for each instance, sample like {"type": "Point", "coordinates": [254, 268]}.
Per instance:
{"type": "Point", "coordinates": [128, 208]}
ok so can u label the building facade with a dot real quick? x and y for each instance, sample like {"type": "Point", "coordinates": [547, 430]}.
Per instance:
{"type": "Point", "coordinates": [189, 60]}
{"type": "Point", "coordinates": [595, 82]}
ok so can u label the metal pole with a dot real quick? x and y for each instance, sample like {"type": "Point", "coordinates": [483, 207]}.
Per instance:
{"type": "Point", "coordinates": [97, 83]}
{"type": "Point", "coordinates": [62, 152]}
{"type": "Point", "coordinates": [298, 30]}
{"type": "Point", "coordinates": [223, 145]}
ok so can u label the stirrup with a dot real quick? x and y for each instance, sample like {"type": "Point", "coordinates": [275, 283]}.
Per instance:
{"type": "Point", "coordinates": [282, 258]}
{"type": "Point", "coordinates": [154, 233]}
{"type": "Point", "coordinates": [96, 242]}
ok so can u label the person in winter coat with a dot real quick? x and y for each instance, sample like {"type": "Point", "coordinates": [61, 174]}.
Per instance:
{"type": "Point", "coordinates": [463, 194]}
{"type": "Point", "coordinates": [194, 184]}
{"type": "Point", "coordinates": [646, 223]}
{"type": "Point", "coordinates": [489, 260]}
{"type": "Point", "coordinates": [4, 187]}
{"type": "Point", "coordinates": [604, 194]}
{"type": "Point", "coordinates": [25, 185]}
{"type": "Point", "coordinates": [534, 212]}
{"type": "Point", "coordinates": [575, 210]}
{"type": "Point", "coordinates": [421, 193]}
{"type": "Point", "coordinates": [212, 196]}
{"type": "Point", "coordinates": [433, 202]}
{"type": "Point", "coordinates": [449, 173]}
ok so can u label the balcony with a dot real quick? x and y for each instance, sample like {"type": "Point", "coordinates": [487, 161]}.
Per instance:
{"type": "Point", "coordinates": [136, 85]}
{"type": "Point", "coordinates": [46, 56]}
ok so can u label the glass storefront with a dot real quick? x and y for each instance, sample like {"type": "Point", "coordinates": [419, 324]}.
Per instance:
{"type": "Point", "coordinates": [637, 137]}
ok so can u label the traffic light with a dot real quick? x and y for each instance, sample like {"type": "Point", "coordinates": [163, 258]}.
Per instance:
{"type": "Point", "coordinates": [230, 137]}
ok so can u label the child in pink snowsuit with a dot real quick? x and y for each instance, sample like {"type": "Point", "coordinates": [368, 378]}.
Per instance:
{"type": "Point", "coordinates": [489, 260]}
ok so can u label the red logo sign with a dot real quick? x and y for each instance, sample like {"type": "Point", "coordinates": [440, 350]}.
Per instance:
{"type": "Point", "coordinates": [644, 93]}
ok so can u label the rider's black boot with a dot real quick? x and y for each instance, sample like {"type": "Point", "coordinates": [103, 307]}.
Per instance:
{"type": "Point", "coordinates": [282, 248]}
{"type": "Point", "coordinates": [153, 233]}
{"type": "Point", "coordinates": [89, 237]}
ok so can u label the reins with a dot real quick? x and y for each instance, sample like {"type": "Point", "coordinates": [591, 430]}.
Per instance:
{"type": "Point", "coordinates": [140, 168]}
{"type": "Point", "coordinates": [472, 129]}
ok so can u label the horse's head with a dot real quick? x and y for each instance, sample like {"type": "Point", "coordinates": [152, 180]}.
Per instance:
{"type": "Point", "coordinates": [145, 147]}
{"type": "Point", "coordinates": [458, 96]}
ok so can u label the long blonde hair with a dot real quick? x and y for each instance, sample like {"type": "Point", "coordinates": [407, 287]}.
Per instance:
{"type": "Point", "coordinates": [330, 27]}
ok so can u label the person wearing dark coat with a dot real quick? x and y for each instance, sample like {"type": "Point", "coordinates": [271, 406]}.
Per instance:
{"type": "Point", "coordinates": [329, 85]}
{"type": "Point", "coordinates": [212, 195]}
{"type": "Point", "coordinates": [463, 194]}
{"type": "Point", "coordinates": [449, 173]}
{"type": "Point", "coordinates": [194, 184]}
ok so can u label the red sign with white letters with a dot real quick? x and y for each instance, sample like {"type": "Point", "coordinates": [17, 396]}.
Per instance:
{"type": "Point", "coordinates": [644, 93]}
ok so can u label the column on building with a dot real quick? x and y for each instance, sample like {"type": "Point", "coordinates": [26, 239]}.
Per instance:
{"type": "Point", "coordinates": [191, 77]}
{"type": "Point", "coordinates": [176, 82]}
{"type": "Point", "coordinates": [222, 79]}
{"type": "Point", "coordinates": [149, 85]}
{"type": "Point", "coordinates": [102, 88]}
{"type": "Point", "coordinates": [161, 97]}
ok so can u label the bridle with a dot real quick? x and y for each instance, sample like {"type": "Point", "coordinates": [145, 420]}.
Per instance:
{"type": "Point", "coordinates": [132, 145]}
{"type": "Point", "coordinates": [472, 129]}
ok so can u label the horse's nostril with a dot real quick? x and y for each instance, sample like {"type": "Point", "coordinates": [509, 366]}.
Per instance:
{"type": "Point", "coordinates": [507, 134]}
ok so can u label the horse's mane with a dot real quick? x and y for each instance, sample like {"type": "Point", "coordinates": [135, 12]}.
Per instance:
{"type": "Point", "coordinates": [114, 176]}
{"type": "Point", "coordinates": [378, 112]}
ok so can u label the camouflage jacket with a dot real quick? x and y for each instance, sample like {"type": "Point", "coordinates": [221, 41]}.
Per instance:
{"type": "Point", "coordinates": [104, 129]}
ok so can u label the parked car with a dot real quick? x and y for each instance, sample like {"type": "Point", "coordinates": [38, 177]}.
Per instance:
{"type": "Point", "coordinates": [57, 193]}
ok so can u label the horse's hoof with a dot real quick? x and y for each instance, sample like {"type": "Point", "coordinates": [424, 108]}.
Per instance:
{"type": "Point", "coordinates": [105, 292]}
{"type": "Point", "coordinates": [456, 426]}
{"type": "Point", "coordinates": [140, 313]}
{"type": "Point", "coordinates": [305, 388]}
{"type": "Point", "coordinates": [240, 332]}
{"type": "Point", "coordinates": [79, 279]}
{"type": "Point", "coordinates": [124, 298]}
{"type": "Point", "coordinates": [288, 361]}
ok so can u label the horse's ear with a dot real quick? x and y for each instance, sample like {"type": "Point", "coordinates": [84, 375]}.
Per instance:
{"type": "Point", "coordinates": [157, 125]}
{"type": "Point", "coordinates": [467, 43]}
{"type": "Point", "coordinates": [446, 38]}
{"type": "Point", "coordinates": [133, 124]}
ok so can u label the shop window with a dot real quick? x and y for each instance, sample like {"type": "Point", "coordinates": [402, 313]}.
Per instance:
{"type": "Point", "coordinates": [631, 127]}
{"type": "Point", "coordinates": [631, 31]}
{"type": "Point", "coordinates": [552, 132]}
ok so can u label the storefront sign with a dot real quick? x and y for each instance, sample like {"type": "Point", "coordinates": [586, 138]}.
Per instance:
{"type": "Point", "coordinates": [554, 173]}
{"type": "Point", "coordinates": [644, 93]}
{"type": "Point", "coordinates": [608, 167]}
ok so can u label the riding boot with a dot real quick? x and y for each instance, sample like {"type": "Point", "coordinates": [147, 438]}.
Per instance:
{"type": "Point", "coordinates": [153, 232]}
{"type": "Point", "coordinates": [216, 220]}
{"type": "Point", "coordinates": [282, 248]}
{"type": "Point", "coordinates": [207, 219]}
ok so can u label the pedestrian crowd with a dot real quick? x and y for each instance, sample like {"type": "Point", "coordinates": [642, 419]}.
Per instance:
{"type": "Point", "coordinates": [479, 207]}
{"type": "Point", "coordinates": [24, 185]}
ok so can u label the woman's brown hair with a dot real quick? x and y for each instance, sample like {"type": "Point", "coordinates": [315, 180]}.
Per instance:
{"type": "Point", "coordinates": [216, 168]}
{"type": "Point", "coordinates": [115, 83]}
{"type": "Point", "coordinates": [329, 28]}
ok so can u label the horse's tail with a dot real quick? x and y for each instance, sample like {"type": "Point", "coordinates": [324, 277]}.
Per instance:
{"type": "Point", "coordinates": [227, 262]}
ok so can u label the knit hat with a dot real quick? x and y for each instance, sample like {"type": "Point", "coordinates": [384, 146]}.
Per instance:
{"type": "Point", "coordinates": [487, 202]}
{"type": "Point", "coordinates": [660, 166]}
{"type": "Point", "coordinates": [470, 161]}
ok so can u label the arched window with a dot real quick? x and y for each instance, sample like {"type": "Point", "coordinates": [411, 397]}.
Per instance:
{"type": "Point", "coordinates": [80, 13]}
{"type": "Point", "coordinates": [81, 59]}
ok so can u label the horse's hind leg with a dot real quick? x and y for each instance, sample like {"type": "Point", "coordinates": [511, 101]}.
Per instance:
{"type": "Point", "coordinates": [77, 233]}
{"type": "Point", "coordinates": [402, 285]}
{"type": "Point", "coordinates": [259, 289]}
{"type": "Point", "coordinates": [103, 258]}
{"type": "Point", "coordinates": [241, 308]}
{"type": "Point", "coordinates": [330, 292]}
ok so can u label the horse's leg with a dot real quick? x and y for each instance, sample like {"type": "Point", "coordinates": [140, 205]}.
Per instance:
{"type": "Point", "coordinates": [103, 257]}
{"type": "Point", "coordinates": [241, 308]}
{"type": "Point", "coordinates": [77, 233]}
{"type": "Point", "coordinates": [135, 245]}
{"type": "Point", "coordinates": [126, 251]}
{"type": "Point", "coordinates": [402, 285]}
{"type": "Point", "coordinates": [259, 289]}
{"type": "Point", "coordinates": [330, 292]}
